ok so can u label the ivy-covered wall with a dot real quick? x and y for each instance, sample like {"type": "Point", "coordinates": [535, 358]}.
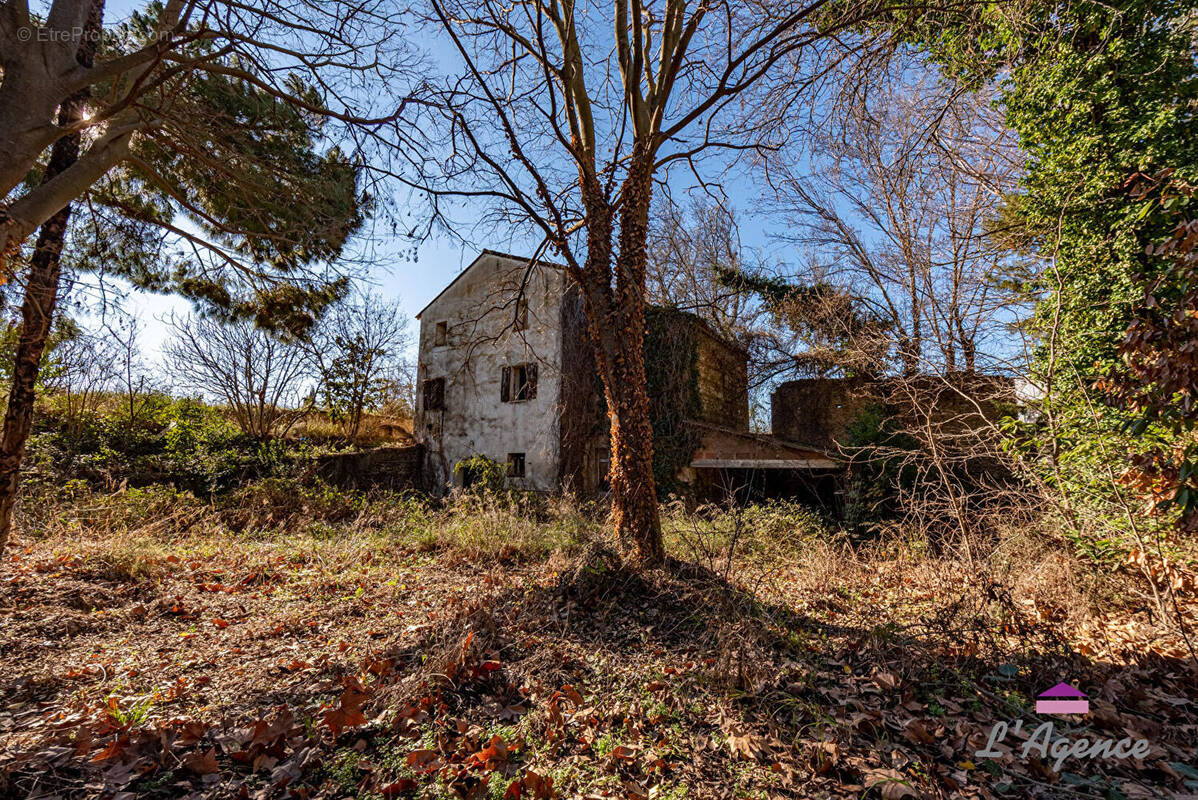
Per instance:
{"type": "Point", "coordinates": [672, 372]}
{"type": "Point", "coordinates": [692, 375]}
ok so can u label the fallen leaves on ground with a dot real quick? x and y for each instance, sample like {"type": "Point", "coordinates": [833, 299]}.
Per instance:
{"type": "Point", "coordinates": [291, 678]}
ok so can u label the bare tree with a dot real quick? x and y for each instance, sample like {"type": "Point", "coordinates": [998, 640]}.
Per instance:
{"type": "Point", "coordinates": [131, 379]}
{"type": "Point", "coordinates": [698, 263]}
{"type": "Point", "coordinates": [84, 369]}
{"type": "Point", "coordinates": [691, 250]}
{"type": "Point", "coordinates": [895, 205]}
{"type": "Point", "coordinates": [258, 376]}
{"type": "Point", "coordinates": [893, 197]}
{"type": "Point", "coordinates": [565, 115]}
{"type": "Point", "coordinates": [357, 349]}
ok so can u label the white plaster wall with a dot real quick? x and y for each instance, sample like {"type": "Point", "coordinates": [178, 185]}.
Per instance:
{"type": "Point", "coordinates": [479, 310]}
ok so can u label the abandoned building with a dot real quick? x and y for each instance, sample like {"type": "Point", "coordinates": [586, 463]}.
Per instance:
{"type": "Point", "coordinates": [505, 371]}
{"type": "Point", "coordinates": [823, 411]}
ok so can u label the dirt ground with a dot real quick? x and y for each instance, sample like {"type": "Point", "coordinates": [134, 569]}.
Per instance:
{"type": "Point", "coordinates": [343, 665]}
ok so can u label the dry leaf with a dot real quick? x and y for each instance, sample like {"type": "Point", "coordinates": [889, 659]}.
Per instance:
{"type": "Point", "coordinates": [893, 784]}
{"type": "Point", "coordinates": [201, 763]}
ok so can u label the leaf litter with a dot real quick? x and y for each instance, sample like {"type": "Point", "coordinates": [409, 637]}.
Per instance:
{"type": "Point", "coordinates": [426, 676]}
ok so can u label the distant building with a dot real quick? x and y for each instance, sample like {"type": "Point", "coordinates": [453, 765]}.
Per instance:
{"type": "Point", "coordinates": [505, 371]}
{"type": "Point", "coordinates": [823, 411]}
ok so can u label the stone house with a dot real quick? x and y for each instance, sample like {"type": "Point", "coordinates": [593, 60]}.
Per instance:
{"type": "Point", "coordinates": [505, 371]}
{"type": "Point", "coordinates": [489, 378]}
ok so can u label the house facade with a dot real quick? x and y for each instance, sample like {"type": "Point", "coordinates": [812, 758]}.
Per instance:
{"type": "Point", "coordinates": [489, 372]}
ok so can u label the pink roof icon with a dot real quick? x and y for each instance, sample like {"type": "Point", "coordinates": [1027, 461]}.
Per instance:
{"type": "Point", "coordinates": [1062, 699]}
{"type": "Point", "coordinates": [1062, 690]}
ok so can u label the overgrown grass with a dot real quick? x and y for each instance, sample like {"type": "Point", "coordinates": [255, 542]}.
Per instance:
{"type": "Point", "coordinates": [131, 532]}
{"type": "Point", "coordinates": [281, 589]}
{"type": "Point", "coordinates": [141, 534]}
{"type": "Point", "coordinates": [765, 533]}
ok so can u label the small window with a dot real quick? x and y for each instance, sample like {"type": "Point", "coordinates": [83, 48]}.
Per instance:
{"type": "Point", "coordinates": [521, 313]}
{"type": "Point", "coordinates": [515, 465]}
{"type": "Point", "coordinates": [518, 382]}
{"type": "Point", "coordinates": [434, 394]}
{"type": "Point", "coordinates": [603, 468]}
{"type": "Point", "coordinates": [441, 334]}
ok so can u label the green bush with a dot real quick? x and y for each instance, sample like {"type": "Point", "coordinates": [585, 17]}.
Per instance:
{"type": "Point", "coordinates": [163, 440]}
{"type": "Point", "coordinates": [878, 467]}
{"type": "Point", "coordinates": [481, 474]}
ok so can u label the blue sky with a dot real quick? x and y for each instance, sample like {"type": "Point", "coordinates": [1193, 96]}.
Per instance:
{"type": "Point", "coordinates": [414, 273]}
{"type": "Point", "coordinates": [414, 281]}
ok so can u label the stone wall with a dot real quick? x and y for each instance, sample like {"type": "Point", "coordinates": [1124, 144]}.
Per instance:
{"type": "Point", "coordinates": [819, 411]}
{"type": "Point", "coordinates": [723, 380]}
{"type": "Point", "coordinates": [394, 468]}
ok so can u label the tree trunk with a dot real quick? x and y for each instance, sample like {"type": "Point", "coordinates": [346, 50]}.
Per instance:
{"type": "Point", "coordinates": [616, 323]}
{"type": "Point", "coordinates": [968, 348]}
{"type": "Point", "coordinates": [634, 495]}
{"type": "Point", "coordinates": [41, 293]}
{"type": "Point", "coordinates": [633, 489]}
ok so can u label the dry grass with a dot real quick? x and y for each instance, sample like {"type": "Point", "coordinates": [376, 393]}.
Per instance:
{"type": "Point", "coordinates": [374, 430]}
{"type": "Point", "coordinates": [750, 666]}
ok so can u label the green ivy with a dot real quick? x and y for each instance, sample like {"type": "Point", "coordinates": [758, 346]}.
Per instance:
{"type": "Point", "coordinates": [672, 373]}
{"type": "Point", "coordinates": [488, 474]}
{"type": "Point", "coordinates": [1097, 93]}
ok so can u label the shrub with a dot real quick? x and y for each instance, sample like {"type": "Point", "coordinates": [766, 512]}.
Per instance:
{"type": "Point", "coordinates": [481, 474]}
{"type": "Point", "coordinates": [285, 502]}
{"type": "Point", "coordinates": [777, 530]}
{"type": "Point", "coordinates": [181, 442]}
{"type": "Point", "coordinates": [879, 466]}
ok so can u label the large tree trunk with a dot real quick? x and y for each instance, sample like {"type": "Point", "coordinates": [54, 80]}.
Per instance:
{"type": "Point", "coordinates": [633, 488]}
{"type": "Point", "coordinates": [616, 320]}
{"type": "Point", "coordinates": [634, 494]}
{"type": "Point", "coordinates": [41, 293]}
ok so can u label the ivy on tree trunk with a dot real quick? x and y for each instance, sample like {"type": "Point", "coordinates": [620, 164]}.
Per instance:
{"type": "Point", "coordinates": [614, 302]}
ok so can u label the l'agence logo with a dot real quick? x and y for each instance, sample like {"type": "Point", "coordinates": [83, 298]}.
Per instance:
{"type": "Point", "coordinates": [1061, 699]}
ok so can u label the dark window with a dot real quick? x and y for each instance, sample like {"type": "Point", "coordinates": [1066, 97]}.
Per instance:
{"type": "Point", "coordinates": [515, 465]}
{"type": "Point", "coordinates": [440, 334]}
{"type": "Point", "coordinates": [522, 313]}
{"type": "Point", "coordinates": [521, 388]}
{"type": "Point", "coordinates": [434, 394]}
{"type": "Point", "coordinates": [470, 476]}
{"type": "Point", "coordinates": [518, 382]}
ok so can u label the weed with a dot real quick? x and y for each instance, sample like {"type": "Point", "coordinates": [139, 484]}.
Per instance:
{"type": "Point", "coordinates": [604, 745]}
{"type": "Point", "coordinates": [137, 712]}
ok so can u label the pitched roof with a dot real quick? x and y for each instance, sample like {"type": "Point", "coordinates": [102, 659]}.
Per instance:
{"type": "Point", "coordinates": [472, 265]}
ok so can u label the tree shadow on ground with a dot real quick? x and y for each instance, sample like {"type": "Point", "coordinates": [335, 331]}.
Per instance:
{"type": "Point", "coordinates": [621, 681]}
{"type": "Point", "coordinates": [839, 708]}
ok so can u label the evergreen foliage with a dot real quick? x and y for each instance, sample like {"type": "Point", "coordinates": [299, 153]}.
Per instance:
{"type": "Point", "coordinates": [1100, 96]}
